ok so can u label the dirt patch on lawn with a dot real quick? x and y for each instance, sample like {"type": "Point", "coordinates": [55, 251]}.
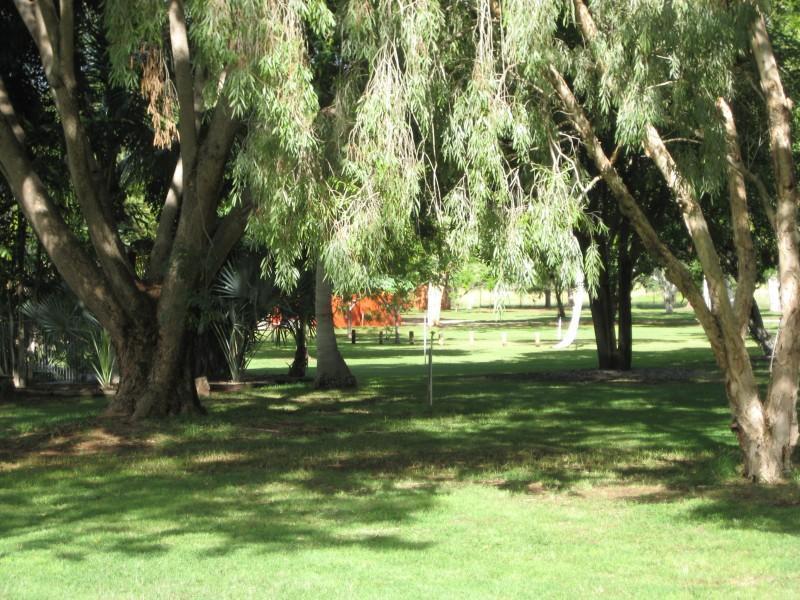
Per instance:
{"type": "Point", "coordinates": [96, 437]}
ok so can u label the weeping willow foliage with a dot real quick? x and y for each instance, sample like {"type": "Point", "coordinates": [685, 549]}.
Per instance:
{"type": "Point", "coordinates": [359, 113]}
{"type": "Point", "coordinates": [665, 64]}
{"type": "Point", "coordinates": [253, 55]}
{"type": "Point", "coordinates": [383, 116]}
{"type": "Point", "coordinates": [521, 197]}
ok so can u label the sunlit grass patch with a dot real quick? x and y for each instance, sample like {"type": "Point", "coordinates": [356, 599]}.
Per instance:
{"type": "Point", "coordinates": [512, 485]}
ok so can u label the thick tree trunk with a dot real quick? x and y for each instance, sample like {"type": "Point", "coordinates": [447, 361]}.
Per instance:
{"type": "Point", "coordinates": [332, 371]}
{"type": "Point", "coordinates": [548, 303]}
{"type": "Point", "coordinates": [781, 402]}
{"type": "Point", "coordinates": [139, 395]}
{"type": "Point", "coordinates": [560, 304]}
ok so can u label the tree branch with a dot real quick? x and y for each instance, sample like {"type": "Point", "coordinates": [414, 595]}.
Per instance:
{"type": "Point", "coordinates": [184, 82]}
{"type": "Point", "coordinates": [79, 272]}
{"type": "Point", "coordinates": [740, 220]}
{"type": "Point", "coordinates": [166, 223]}
{"type": "Point", "coordinates": [229, 232]}
{"type": "Point", "coordinates": [80, 160]}
{"type": "Point", "coordinates": [761, 189]}
{"type": "Point", "coordinates": [66, 38]}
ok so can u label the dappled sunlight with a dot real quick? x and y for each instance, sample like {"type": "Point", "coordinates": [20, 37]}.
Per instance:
{"type": "Point", "coordinates": [285, 470]}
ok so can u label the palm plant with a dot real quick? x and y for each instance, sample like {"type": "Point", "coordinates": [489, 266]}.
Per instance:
{"type": "Point", "coordinates": [104, 360]}
{"type": "Point", "coordinates": [73, 335]}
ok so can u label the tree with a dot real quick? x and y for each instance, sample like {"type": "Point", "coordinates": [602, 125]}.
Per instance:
{"type": "Point", "coordinates": [626, 52]}
{"type": "Point", "coordinates": [220, 77]}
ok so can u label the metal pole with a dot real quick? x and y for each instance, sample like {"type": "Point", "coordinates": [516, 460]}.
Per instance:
{"type": "Point", "coordinates": [430, 372]}
{"type": "Point", "coordinates": [425, 339]}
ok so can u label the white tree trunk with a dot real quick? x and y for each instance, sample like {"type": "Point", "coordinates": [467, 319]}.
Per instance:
{"type": "Point", "coordinates": [434, 304]}
{"type": "Point", "coordinates": [575, 321]}
{"type": "Point", "coordinates": [774, 288]}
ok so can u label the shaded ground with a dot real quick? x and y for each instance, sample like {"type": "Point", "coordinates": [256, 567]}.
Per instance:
{"type": "Point", "coordinates": [517, 483]}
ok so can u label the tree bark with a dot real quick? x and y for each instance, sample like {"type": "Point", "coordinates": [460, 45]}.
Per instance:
{"type": "Point", "coordinates": [603, 322]}
{"type": "Point", "coordinates": [559, 303]}
{"type": "Point", "coordinates": [332, 371]}
{"type": "Point", "coordinates": [300, 362]}
{"type": "Point", "coordinates": [601, 304]}
{"type": "Point", "coordinates": [625, 262]}
{"type": "Point", "coordinates": [781, 404]}
{"type": "Point", "coordinates": [139, 394]}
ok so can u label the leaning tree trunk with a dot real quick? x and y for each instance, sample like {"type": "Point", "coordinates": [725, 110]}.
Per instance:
{"type": "Point", "coordinates": [332, 371]}
{"type": "Point", "coordinates": [758, 332]}
{"type": "Point", "coordinates": [575, 319]}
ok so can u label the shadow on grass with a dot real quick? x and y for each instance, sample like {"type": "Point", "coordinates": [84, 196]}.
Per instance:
{"type": "Point", "coordinates": [284, 469]}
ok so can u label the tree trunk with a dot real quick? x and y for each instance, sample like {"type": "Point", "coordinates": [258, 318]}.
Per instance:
{"type": "Point", "coordinates": [300, 362]}
{"type": "Point", "coordinates": [19, 373]}
{"type": "Point", "coordinates": [625, 262]}
{"type": "Point", "coordinates": [561, 313]}
{"type": "Point", "coordinates": [759, 333]}
{"type": "Point", "coordinates": [781, 402]}
{"type": "Point", "coordinates": [602, 308]}
{"type": "Point", "coordinates": [139, 394]}
{"type": "Point", "coordinates": [547, 298]}
{"type": "Point", "coordinates": [332, 371]}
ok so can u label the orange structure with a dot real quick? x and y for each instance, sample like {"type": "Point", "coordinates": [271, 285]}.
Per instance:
{"type": "Point", "coordinates": [363, 312]}
{"type": "Point", "coordinates": [375, 311]}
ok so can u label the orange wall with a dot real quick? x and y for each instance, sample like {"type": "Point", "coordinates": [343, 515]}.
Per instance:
{"type": "Point", "coordinates": [364, 312]}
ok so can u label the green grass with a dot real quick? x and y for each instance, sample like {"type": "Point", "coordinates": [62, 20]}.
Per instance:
{"type": "Point", "coordinates": [518, 483]}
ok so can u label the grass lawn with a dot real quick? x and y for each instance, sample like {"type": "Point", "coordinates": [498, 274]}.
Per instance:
{"type": "Point", "coordinates": [519, 482]}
